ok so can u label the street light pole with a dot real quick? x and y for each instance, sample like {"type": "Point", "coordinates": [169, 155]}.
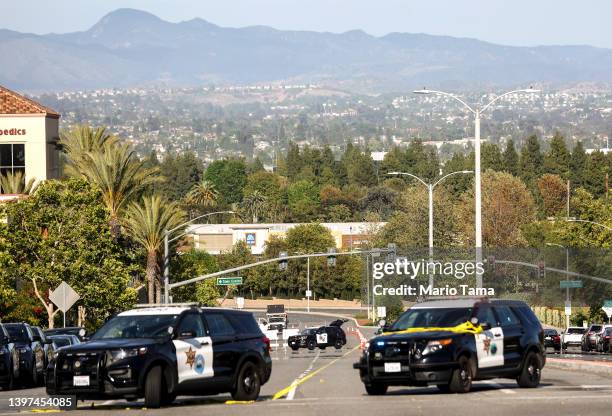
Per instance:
{"type": "Point", "coordinates": [567, 291]}
{"type": "Point", "coordinates": [167, 242]}
{"type": "Point", "coordinates": [308, 284]}
{"type": "Point", "coordinates": [477, 178]}
{"type": "Point", "coordinates": [430, 189]}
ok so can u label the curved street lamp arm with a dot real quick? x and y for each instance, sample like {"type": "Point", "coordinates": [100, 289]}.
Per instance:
{"type": "Point", "coordinates": [483, 109]}
{"type": "Point", "coordinates": [411, 175]}
{"type": "Point", "coordinates": [197, 218]}
{"type": "Point", "coordinates": [450, 174]}
{"type": "Point", "coordinates": [589, 222]}
{"type": "Point", "coordinates": [454, 97]}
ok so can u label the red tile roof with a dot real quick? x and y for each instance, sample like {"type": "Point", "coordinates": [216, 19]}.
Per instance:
{"type": "Point", "coordinates": [13, 103]}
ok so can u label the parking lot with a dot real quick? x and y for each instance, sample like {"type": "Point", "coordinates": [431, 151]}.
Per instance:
{"type": "Point", "coordinates": [324, 382]}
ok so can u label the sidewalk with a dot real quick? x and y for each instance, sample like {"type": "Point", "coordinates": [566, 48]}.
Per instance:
{"type": "Point", "coordinates": [598, 367]}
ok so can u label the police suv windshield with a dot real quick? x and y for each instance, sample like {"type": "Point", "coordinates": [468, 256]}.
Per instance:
{"type": "Point", "coordinates": [308, 331]}
{"type": "Point", "coordinates": [136, 326]}
{"type": "Point", "coordinates": [432, 317]}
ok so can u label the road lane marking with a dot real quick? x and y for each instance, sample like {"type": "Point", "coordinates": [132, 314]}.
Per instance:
{"type": "Point", "coordinates": [499, 387]}
{"type": "Point", "coordinates": [282, 393]}
{"type": "Point", "coordinates": [291, 393]}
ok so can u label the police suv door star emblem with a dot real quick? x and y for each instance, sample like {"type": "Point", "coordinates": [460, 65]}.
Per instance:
{"type": "Point", "coordinates": [190, 357]}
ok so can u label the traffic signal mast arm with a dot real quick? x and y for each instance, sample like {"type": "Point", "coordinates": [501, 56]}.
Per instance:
{"type": "Point", "coordinates": [278, 259]}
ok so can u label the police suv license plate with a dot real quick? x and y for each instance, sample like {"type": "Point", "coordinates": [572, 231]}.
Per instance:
{"type": "Point", "coordinates": [393, 367]}
{"type": "Point", "coordinates": [80, 381]}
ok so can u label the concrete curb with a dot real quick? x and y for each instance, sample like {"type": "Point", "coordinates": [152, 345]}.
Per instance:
{"type": "Point", "coordinates": [604, 369]}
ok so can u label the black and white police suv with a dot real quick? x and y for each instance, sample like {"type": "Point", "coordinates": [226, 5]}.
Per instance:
{"type": "Point", "coordinates": [450, 343]}
{"type": "Point", "coordinates": [163, 351]}
{"type": "Point", "coordinates": [325, 336]}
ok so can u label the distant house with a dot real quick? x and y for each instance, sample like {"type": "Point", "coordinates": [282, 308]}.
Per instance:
{"type": "Point", "coordinates": [218, 238]}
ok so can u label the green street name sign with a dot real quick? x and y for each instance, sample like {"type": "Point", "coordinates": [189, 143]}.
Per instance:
{"type": "Point", "coordinates": [229, 281]}
{"type": "Point", "coordinates": [607, 304]}
{"type": "Point", "coordinates": [570, 284]}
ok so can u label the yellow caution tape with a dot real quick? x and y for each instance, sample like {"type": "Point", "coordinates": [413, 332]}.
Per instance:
{"type": "Point", "coordinates": [239, 401]}
{"type": "Point", "coordinates": [464, 328]}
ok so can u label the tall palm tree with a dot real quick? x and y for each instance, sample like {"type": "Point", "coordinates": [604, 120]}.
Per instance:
{"type": "Point", "coordinates": [254, 204]}
{"type": "Point", "coordinates": [119, 174]}
{"type": "Point", "coordinates": [203, 194]}
{"type": "Point", "coordinates": [14, 183]}
{"type": "Point", "coordinates": [80, 140]}
{"type": "Point", "coordinates": [145, 222]}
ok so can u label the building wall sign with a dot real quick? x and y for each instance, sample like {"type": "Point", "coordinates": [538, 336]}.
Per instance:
{"type": "Point", "coordinates": [12, 132]}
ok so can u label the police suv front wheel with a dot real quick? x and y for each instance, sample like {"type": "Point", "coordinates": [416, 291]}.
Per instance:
{"type": "Point", "coordinates": [531, 372]}
{"type": "Point", "coordinates": [248, 383]}
{"type": "Point", "coordinates": [461, 379]}
{"type": "Point", "coordinates": [153, 388]}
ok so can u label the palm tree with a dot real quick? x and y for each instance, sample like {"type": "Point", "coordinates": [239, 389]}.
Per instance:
{"type": "Point", "coordinates": [203, 194]}
{"type": "Point", "coordinates": [80, 140]}
{"type": "Point", "coordinates": [119, 174]}
{"type": "Point", "coordinates": [145, 223]}
{"type": "Point", "coordinates": [254, 204]}
{"type": "Point", "coordinates": [14, 183]}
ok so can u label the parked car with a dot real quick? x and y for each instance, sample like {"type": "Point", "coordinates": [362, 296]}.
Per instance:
{"type": "Point", "coordinates": [572, 337]}
{"type": "Point", "coordinates": [9, 360]}
{"type": "Point", "coordinates": [552, 339]}
{"type": "Point", "coordinates": [158, 352]}
{"type": "Point", "coordinates": [588, 341]}
{"type": "Point", "coordinates": [77, 331]}
{"type": "Point", "coordinates": [31, 352]}
{"type": "Point", "coordinates": [322, 337]}
{"type": "Point", "coordinates": [60, 341]}
{"type": "Point", "coordinates": [47, 344]}
{"type": "Point", "coordinates": [450, 343]}
{"type": "Point", "coordinates": [604, 341]}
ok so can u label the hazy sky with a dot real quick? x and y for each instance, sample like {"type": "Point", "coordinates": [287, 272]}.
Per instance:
{"type": "Point", "coordinates": [511, 22]}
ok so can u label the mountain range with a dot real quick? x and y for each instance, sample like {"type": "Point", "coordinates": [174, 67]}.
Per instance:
{"type": "Point", "coordinates": [134, 48]}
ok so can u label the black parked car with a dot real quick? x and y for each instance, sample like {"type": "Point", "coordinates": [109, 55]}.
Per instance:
{"type": "Point", "coordinates": [31, 352]}
{"type": "Point", "coordinates": [70, 330]}
{"type": "Point", "coordinates": [160, 352]}
{"type": "Point", "coordinates": [47, 344]}
{"type": "Point", "coordinates": [60, 341]}
{"type": "Point", "coordinates": [589, 339]}
{"type": "Point", "coordinates": [331, 335]}
{"type": "Point", "coordinates": [9, 360]}
{"type": "Point", "coordinates": [450, 343]}
{"type": "Point", "coordinates": [552, 339]}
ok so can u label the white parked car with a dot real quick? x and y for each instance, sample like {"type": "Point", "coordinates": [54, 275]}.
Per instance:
{"type": "Point", "coordinates": [572, 337]}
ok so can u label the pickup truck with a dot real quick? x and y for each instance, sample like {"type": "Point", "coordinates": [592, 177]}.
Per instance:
{"type": "Point", "coordinates": [572, 337]}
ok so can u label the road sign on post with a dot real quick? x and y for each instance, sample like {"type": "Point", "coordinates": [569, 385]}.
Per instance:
{"type": "Point", "coordinates": [229, 281]}
{"type": "Point", "coordinates": [568, 308]}
{"type": "Point", "coordinates": [240, 302]}
{"type": "Point", "coordinates": [64, 297]}
{"type": "Point", "coordinates": [571, 284]}
{"type": "Point", "coordinates": [381, 311]}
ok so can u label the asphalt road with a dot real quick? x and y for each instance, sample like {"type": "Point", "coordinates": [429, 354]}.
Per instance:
{"type": "Point", "coordinates": [324, 382]}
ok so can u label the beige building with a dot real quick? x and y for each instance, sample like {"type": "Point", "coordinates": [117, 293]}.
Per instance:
{"type": "Point", "coordinates": [218, 238]}
{"type": "Point", "coordinates": [28, 137]}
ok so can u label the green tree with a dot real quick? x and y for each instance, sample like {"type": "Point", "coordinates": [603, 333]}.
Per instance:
{"type": "Point", "coordinates": [229, 177]}
{"type": "Point", "coordinates": [146, 223]}
{"type": "Point", "coordinates": [511, 159]}
{"type": "Point", "coordinates": [204, 195]}
{"type": "Point", "coordinates": [189, 265]}
{"type": "Point", "coordinates": [254, 204]}
{"type": "Point", "coordinates": [116, 170]}
{"type": "Point", "coordinates": [303, 200]}
{"type": "Point", "coordinates": [491, 157]}
{"type": "Point", "coordinates": [61, 233]}
{"type": "Point", "coordinates": [81, 140]}
{"type": "Point", "coordinates": [578, 165]}
{"type": "Point", "coordinates": [531, 161]}
{"type": "Point", "coordinates": [181, 174]}
{"type": "Point", "coordinates": [557, 160]}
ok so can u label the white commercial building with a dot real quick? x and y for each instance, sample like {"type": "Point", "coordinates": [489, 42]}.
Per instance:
{"type": "Point", "coordinates": [219, 238]}
{"type": "Point", "coordinates": [28, 137]}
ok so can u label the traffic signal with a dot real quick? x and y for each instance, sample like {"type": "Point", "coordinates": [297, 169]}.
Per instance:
{"type": "Point", "coordinates": [541, 269]}
{"type": "Point", "coordinates": [282, 264]}
{"type": "Point", "coordinates": [331, 259]}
